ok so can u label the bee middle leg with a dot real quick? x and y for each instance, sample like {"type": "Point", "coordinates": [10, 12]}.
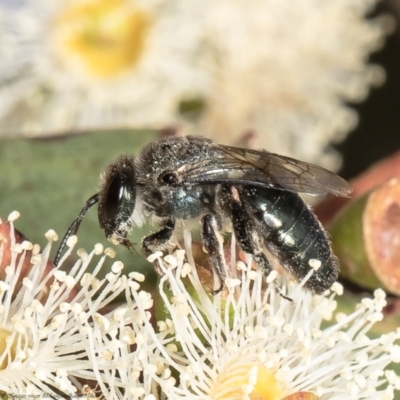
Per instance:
{"type": "Point", "coordinates": [213, 245]}
{"type": "Point", "coordinates": [158, 240]}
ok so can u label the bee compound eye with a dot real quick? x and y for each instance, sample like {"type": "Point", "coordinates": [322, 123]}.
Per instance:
{"type": "Point", "coordinates": [114, 197]}
{"type": "Point", "coordinates": [117, 203]}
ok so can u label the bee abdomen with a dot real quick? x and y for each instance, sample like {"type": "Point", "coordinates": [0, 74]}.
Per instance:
{"type": "Point", "coordinates": [311, 249]}
{"type": "Point", "coordinates": [294, 235]}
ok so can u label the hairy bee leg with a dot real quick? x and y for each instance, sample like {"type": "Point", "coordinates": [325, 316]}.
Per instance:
{"type": "Point", "coordinates": [249, 238]}
{"type": "Point", "coordinates": [158, 241]}
{"type": "Point", "coordinates": [213, 246]}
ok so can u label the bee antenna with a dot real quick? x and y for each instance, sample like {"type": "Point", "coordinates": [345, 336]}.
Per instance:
{"type": "Point", "coordinates": [75, 226]}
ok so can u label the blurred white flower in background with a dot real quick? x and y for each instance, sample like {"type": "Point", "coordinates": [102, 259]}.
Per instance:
{"type": "Point", "coordinates": [285, 70]}
{"type": "Point", "coordinates": [281, 72]}
{"type": "Point", "coordinates": [96, 64]}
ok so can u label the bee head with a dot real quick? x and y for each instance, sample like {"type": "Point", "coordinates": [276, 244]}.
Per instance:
{"type": "Point", "coordinates": [117, 198]}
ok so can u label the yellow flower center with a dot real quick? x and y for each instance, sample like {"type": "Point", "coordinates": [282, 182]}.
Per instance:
{"type": "Point", "coordinates": [101, 37]}
{"type": "Point", "coordinates": [5, 347]}
{"type": "Point", "coordinates": [240, 379]}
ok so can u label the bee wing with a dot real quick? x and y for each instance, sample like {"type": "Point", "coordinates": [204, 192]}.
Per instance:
{"type": "Point", "coordinates": [235, 165]}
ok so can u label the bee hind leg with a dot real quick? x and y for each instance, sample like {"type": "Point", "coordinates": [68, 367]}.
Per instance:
{"type": "Point", "coordinates": [247, 235]}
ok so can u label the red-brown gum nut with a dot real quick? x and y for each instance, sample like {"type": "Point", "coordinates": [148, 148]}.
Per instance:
{"type": "Point", "coordinates": [5, 244]}
{"type": "Point", "coordinates": [381, 227]}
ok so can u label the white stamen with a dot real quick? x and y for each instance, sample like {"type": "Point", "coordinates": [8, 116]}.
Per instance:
{"type": "Point", "coordinates": [72, 240]}
{"type": "Point", "coordinates": [153, 257]}
{"type": "Point", "coordinates": [314, 264]}
{"type": "Point", "coordinates": [13, 216]}
{"type": "Point", "coordinates": [98, 248]}
{"type": "Point", "coordinates": [51, 235]}
{"type": "Point", "coordinates": [137, 276]}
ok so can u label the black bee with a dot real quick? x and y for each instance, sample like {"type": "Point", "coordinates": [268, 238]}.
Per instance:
{"type": "Point", "coordinates": [178, 179]}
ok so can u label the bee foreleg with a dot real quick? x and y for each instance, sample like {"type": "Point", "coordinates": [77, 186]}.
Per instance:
{"type": "Point", "coordinates": [213, 246]}
{"type": "Point", "coordinates": [159, 240]}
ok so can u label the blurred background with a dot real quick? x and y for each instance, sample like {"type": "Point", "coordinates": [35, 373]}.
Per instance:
{"type": "Point", "coordinates": [82, 81]}
{"type": "Point", "coordinates": [378, 131]}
